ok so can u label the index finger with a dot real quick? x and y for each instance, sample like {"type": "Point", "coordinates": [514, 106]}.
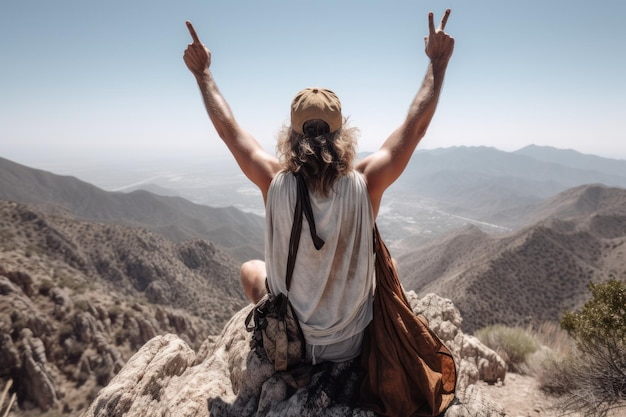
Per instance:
{"type": "Point", "coordinates": [444, 20]}
{"type": "Point", "coordinates": [431, 23]}
{"type": "Point", "coordinates": [192, 31]}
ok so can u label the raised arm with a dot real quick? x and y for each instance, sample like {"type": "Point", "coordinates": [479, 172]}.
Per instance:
{"type": "Point", "coordinates": [383, 167]}
{"type": "Point", "coordinates": [257, 164]}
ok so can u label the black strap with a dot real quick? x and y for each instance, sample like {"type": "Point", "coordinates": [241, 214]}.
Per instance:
{"type": "Point", "coordinates": [303, 205]}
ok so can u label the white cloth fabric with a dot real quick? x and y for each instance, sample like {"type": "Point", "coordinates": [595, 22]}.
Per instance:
{"type": "Point", "coordinates": [331, 289]}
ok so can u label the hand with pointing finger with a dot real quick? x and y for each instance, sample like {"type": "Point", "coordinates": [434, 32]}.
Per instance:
{"type": "Point", "coordinates": [439, 45]}
{"type": "Point", "coordinates": [197, 56]}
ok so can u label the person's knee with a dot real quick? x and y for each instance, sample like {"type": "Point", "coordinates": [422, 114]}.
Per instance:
{"type": "Point", "coordinates": [252, 275]}
{"type": "Point", "coordinates": [251, 270]}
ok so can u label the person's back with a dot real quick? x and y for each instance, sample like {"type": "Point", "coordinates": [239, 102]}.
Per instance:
{"type": "Point", "coordinates": [331, 289]}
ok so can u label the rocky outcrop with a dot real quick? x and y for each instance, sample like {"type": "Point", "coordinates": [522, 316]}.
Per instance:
{"type": "Point", "coordinates": [474, 360]}
{"type": "Point", "coordinates": [225, 378]}
{"type": "Point", "coordinates": [39, 382]}
{"type": "Point", "coordinates": [78, 299]}
{"type": "Point", "coordinates": [60, 350]}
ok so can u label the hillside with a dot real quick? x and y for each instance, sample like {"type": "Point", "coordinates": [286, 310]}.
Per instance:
{"type": "Point", "coordinates": [530, 275]}
{"type": "Point", "coordinates": [172, 217]}
{"type": "Point", "coordinates": [78, 298]}
{"type": "Point", "coordinates": [489, 185]}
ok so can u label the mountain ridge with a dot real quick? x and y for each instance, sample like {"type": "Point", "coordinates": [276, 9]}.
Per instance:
{"type": "Point", "coordinates": [532, 274]}
{"type": "Point", "coordinates": [490, 185]}
{"type": "Point", "coordinates": [173, 217]}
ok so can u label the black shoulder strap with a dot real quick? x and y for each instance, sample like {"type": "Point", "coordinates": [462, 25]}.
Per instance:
{"type": "Point", "coordinates": [303, 205]}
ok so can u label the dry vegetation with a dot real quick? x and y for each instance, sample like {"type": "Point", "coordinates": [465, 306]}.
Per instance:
{"type": "Point", "coordinates": [553, 376]}
{"type": "Point", "coordinates": [527, 276]}
{"type": "Point", "coordinates": [77, 299]}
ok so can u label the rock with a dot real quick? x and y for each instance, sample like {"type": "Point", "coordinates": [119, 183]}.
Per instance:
{"type": "Point", "coordinates": [139, 387]}
{"type": "Point", "coordinates": [9, 355]}
{"type": "Point", "coordinates": [226, 378]}
{"type": "Point", "coordinates": [475, 404]}
{"type": "Point", "coordinates": [140, 330]}
{"type": "Point", "coordinates": [23, 280]}
{"type": "Point", "coordinates": [474, 360]}
{"type": "Point", "coordinates": [86, 326]}
{"type": "Point", "coordinates": [38, 381]}
{"type": "Point", "coordinates": [62, 302]}
{"type": "Point", "coordinates": [490, 366]}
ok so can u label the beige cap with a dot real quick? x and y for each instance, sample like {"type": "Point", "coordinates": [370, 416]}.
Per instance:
{"type": "Point", "coordinates": [316, 103]}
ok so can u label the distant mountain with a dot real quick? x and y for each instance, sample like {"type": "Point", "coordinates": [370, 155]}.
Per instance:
{"type": "Point", "coordinates": [173, 217]}
{"type": "Point", "coordinates": [574, 159]}
{"type": "Point", "coordinates": [530, 275]}
{"type": "Point", "coordinates": [494, 186]}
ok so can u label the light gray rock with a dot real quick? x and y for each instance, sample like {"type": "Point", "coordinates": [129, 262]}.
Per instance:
{"type": "Point", "coordinates": [62, 302]}
{"type": "Point", "coordinates": [474, 360]}
{"type": "Point", "coordinates": [38, 379]}
{"type": "Point", "coordinates": [167, 378]}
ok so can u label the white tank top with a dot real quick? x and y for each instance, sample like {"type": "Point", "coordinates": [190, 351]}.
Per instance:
{"type": "Point", "coordinates": [331, 289]}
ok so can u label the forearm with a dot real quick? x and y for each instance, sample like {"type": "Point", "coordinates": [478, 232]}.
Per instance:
{"type": "Point", "coordinates": [401, 144]}
{"type": "Point", "coordinates": [425, 103]}
{"type": "Point", "coordinates": [217, 108]}
{"type": "Point", "coordinates": [259, 166]}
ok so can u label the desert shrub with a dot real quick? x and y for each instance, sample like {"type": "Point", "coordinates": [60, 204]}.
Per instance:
{"type": "Point", "coordinates": [593, 381]}
{"type": "Point", "coordinates": [553, 336]}
{"type": "Point", "coordinates": [513, 344]}
{"type": "Point", "coordinates": [103, 376]}
{"type": "Point", "coordinates": [75, 351]}
{"type": "Point", "coordinates": [82, 305]}
{"type": "Point", "coordinates": [588, 384]}
{"type": "Point", "coordinates": [115, 312]}
{"type": "Point", "coordinates": [602, 320]}
{"type": "Point", "coordinates": [45, 286]}
{"type": "Point", "coordinates": [66, 330]}
{"type": "Point", "coordinates": [555, 345]}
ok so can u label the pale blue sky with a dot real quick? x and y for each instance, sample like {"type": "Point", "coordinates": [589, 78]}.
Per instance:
{"type": "Point", "coordinates": [106, 79]}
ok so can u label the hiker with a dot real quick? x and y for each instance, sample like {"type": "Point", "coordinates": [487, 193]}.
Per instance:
{"type": "Point", "coordinates": [332, 288]}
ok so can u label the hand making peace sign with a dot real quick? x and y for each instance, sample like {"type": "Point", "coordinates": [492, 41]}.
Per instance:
{"type": "Point", "coordinates": [439, 45]}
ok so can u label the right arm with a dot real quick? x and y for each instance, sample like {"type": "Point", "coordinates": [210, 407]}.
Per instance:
{"type": "Point", "coordinates": [383, 167]}
{"type": "Point", "coordinates": [257, 164]}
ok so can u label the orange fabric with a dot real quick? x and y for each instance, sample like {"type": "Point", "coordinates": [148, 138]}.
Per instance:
{"type": "Point", "coordinates": [410, 372]}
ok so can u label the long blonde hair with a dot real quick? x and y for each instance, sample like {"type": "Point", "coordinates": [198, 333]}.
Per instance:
{"type": "Point", "coordinates": [321, 157]}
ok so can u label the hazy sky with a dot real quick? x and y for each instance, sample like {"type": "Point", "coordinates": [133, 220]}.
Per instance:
{"type": "Point", "coordinates": [107, 79]}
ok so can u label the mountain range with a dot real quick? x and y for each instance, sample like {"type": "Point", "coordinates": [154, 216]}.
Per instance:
{"type": "Point", "coordinates": [531, 275]}
{"type": "Point", "coordinates": [175, 218]}
{"type": "Point", "coordinates": [490, 185]}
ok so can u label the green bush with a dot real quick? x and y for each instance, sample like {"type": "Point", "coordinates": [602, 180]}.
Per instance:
{"type": "Point", "coordinates": [602, 320]}
{"type": "Point", "coordinates": [593, 382]}
{"type": "Point", "coordinates": [513, 344]}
